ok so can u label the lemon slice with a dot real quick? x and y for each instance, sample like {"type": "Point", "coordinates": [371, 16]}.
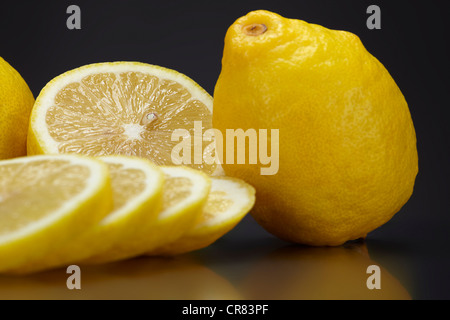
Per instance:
{"type": "Point", "coordinates": [137, 188]}
{"type": "Point", "coordinates": [47, 200]}
{"type": "Point", "coordinates": [185, 192]}
{"type": "Point", "coordinates": [229, 200]}
{"type": "Point", "coordinates": [126, 108]}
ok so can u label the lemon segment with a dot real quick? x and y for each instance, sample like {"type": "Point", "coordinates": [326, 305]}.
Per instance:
{"type": "Point", "coordinates": [184, 193]}
{"type": "Point", "coordinates": [125, 108]}
{"type": "Point", "coordinates": [16, 102]}
{"type": "Point", "coordinates": [228, 202]}
{"type": "Point", "coordinates": [45, 201]}
{"type": "Point", "coordinates": [136, 187]}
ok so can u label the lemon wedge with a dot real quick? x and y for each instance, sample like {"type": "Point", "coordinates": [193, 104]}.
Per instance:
{"type": "Point", "coordinates": [229, 200]}
{"type": "Point", "coordinates": [45, 201]}
{"type": "Point", "coordinates": [126, 108]}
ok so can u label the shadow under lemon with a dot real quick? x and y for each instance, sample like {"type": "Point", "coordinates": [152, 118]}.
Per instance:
{"type": "Point", "coordinates": [319, 273]}
{"type": "Point", "coordinates": [179, 278]}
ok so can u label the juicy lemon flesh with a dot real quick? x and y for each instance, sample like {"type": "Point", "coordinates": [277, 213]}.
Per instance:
{"type": "Point", "coordinates": [45, 202]}
{"type": "Point", "coordinates": [217, 204]}
{"type": "Point", "coordinates": [229, 199]}
{"type": "Point", "coordinates": [184, 193]}
{"type": "Point", "coordinates": [128, 182]}
{"type": "Point", "coordinates": [126, 113]}
{"type": "Point", "coordinates": [29, 192]}
{"type": "Point", "coordinates": [228, 202]}
{"type": "Point", "coordinates": [176, 189]}
{"type": "Point", "coordinates": [347, 147]}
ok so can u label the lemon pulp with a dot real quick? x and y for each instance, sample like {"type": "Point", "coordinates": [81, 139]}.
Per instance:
{"type": "Point", "coordinates": [31, 192]}
{"type": "Point", "coordinates": [123, 108]}
{"type": "Point", "coordinates": [45, 201]}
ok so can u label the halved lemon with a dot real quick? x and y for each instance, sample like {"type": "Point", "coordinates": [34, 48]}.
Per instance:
{"type": "Point", "coordinates": [137, 188]}
{"type": "Point", "coordinates": [126, 108]}
{"type": "Point", "coordinates": [228, 202]}
{"type": "Point", "coordinates": [45, 201]}
{"type": "Point", "coordinates": [185, 191]}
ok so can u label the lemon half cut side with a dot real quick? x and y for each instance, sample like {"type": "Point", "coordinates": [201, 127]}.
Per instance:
{"type": "Point", "coordinates": [126, 108]}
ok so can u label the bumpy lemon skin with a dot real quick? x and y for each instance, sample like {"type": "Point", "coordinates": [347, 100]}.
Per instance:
{"type": "Point", "coordinates": [16, 102]}
{"type": "Point", "coordinates": [347, 151]}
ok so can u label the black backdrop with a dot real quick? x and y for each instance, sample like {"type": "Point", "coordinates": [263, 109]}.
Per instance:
{"type": "Point", "coordinates": [188, 37]}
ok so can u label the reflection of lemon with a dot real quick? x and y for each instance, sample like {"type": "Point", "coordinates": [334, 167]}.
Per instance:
{"type": "Point", "coordinates": [348, 157]}
{"type": "Point", "coordinates": [16, 101]}
{"type": "Point", "coordinates": [45, 201]}
{"type": "Point", "coordinates": [125, 108]}
{"type": "Point", "coordinates": [337, 273]}
{"type": "Point", "coordinates": [136, 187]}
{"type": "Point", "coordinates": [178, 278]}
{"type": "Point", "coordinates": [228, 202]}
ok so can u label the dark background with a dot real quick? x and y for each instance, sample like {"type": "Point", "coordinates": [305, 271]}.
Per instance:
{"type": "Point", "coordinates": [188, 36]}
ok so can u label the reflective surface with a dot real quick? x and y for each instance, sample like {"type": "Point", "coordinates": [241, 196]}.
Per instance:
{"type": "Point", "coordinates": [245, 265]}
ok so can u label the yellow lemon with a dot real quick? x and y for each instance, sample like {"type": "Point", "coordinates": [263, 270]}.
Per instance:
{"type": "Point", "coordinates": [126, 108]}
{"type": "Point", "coordinates": [347, 145]}
{"type": "Point", "coordinates": [16, 101]}
{"type": "Point", "coordinates": [46, 201]}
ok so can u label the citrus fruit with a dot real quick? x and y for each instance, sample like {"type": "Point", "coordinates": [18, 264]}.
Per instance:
{"type": "Point", "coordinates": [228, 202]}
{"type": "Point", "coordinates": [125, 108]}
{"type": "Point", "coordinates": [45, 201]}
{"type": "Point", "coordinates": [16, 101]}
{"type": "Point", "coordinates": [184, 193]}
{"type": "Point", "coordinates": [347, 145]}
{"type": "Point", "coordinates": [136, 188]}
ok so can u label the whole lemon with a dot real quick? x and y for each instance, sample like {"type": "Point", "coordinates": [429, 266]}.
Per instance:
{"type": "Point", "coordinates": [347, 145]}
{"type": "Point", "coordinates": [16, 102]}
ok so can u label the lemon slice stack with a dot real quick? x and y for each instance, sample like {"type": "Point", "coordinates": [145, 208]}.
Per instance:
{"type": "Point", "coordinates": [57, 210]}
{"type": "Point", "coordinates": [99, 184]}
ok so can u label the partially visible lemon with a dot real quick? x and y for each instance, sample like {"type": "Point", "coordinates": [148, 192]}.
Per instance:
{"type": "Point", "coordinates": [137, 188]}
{"type": "Point", "coordinates": [229, 201]}
{"type": "Point", "coordinates": [126, 108]}
{"type": "Point", "coordinates": [347, 144]}
{"type": "Point", "coordinates": [16, 101]}
{"type": "Point", "coordinates": [45, 201]}
{"type": "Point", "coordinates": [185, 191]}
